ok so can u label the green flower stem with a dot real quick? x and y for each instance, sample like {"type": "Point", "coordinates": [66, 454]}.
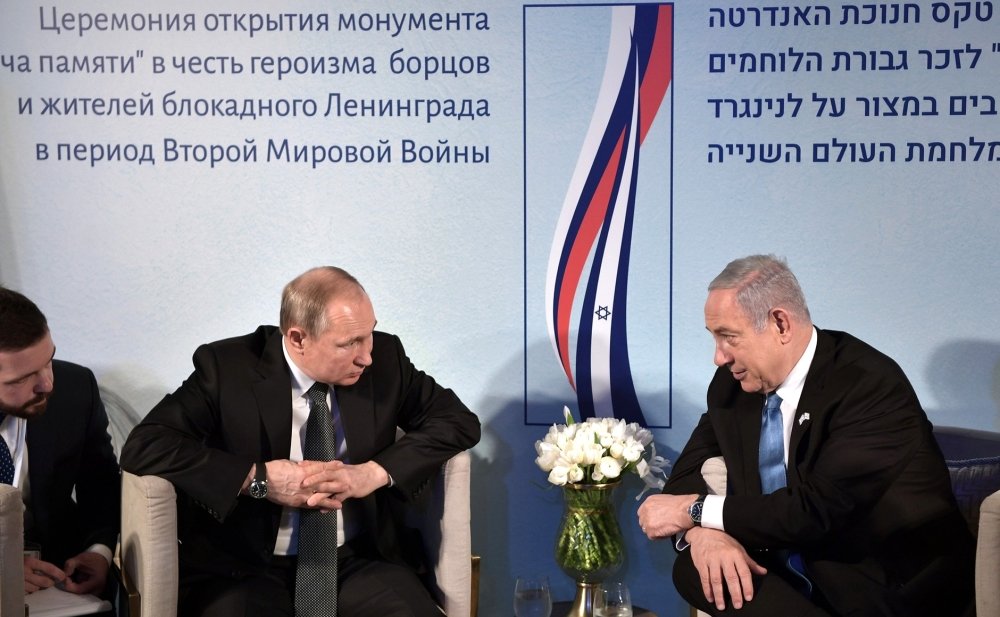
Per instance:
{"type": "Point", "coordinates": [589, 547]}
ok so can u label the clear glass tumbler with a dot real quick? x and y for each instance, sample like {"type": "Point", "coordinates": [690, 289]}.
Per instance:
{"type": "Point", "coordinates": [532, 597]}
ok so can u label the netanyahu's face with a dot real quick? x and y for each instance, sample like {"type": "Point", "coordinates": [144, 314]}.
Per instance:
{"type": "Point", "coordinates": [755, 359]}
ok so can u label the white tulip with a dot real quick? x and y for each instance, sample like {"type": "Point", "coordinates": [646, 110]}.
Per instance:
{"type": "Point", "coordinates": [559, 475]}
{"type": "Point", "coordinates": [610, 467]}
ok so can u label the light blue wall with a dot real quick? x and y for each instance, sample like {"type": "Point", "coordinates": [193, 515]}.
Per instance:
{"type": "Point", "coordinates": [137, 265]}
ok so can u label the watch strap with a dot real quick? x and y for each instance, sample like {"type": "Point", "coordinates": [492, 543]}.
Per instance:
{"type": "Point", "coordinates": [696, 509]}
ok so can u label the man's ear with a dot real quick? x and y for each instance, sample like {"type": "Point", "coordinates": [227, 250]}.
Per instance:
{"type": "Point", "coordinates": [782, 323]}
{"type": "Point", "coordinates": [296, 339]}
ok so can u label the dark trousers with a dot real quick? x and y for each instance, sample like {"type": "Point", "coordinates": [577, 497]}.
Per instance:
{"type": "Point", "coordinates": [943, 588]}
{"type": "Point", "coordinates": [368, 588]}
{"type": "Point", "coordinates": [773, 594]}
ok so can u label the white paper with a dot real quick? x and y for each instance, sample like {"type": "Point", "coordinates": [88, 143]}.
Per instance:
{"type": "Point", "coordinates": [54, 602]}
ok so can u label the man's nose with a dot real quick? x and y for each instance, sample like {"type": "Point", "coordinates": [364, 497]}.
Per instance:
{"type": "Point", "coordinates": [364, 358]}
{"type": "Point", "coordinates": [45, 382]}
{"type": "Point", "coordinates": [721, 357]}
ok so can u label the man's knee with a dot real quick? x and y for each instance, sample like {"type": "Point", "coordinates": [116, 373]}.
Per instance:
{"type": "Point", "coordinates": [687, 581]}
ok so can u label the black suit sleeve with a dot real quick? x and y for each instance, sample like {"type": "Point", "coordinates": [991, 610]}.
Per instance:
{"type": "Point", "coordinates": [98, 484]}
{"type": "Point", "coordinates": [70, 453]}
{"type": "Point", "coordinates": [181, 438]}
{"type": "Point", "coordinates": [437, 424]}
{"type": "Point", "coordinates": [685, 475]}
{"type": "Point", "coordinates": [862, 443]}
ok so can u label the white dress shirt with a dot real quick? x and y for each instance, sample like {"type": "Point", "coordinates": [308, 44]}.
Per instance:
{"type": "Point", "coordinates": [287, 540]}
{"type": "Point", "coordinates": [790, 392]}
{"type": "Point", "coordinates": [14, 432]}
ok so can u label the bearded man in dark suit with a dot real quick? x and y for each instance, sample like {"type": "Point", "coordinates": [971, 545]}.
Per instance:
{"type": "Point", "coordinates": [857, 519]}
{"type": "Point", "coordinates": [57, 450]}
{"type": "Point", "coordinates": [233, 437]}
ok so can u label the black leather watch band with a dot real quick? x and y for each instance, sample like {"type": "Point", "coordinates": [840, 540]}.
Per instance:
{"type": "Point", "coordinates": [694, 511]}
{"type": "Point", "coordinates": [258, 486]}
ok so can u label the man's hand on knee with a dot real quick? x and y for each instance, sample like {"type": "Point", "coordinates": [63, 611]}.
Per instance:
{"type": "Point", "coordinates": [722, 564]}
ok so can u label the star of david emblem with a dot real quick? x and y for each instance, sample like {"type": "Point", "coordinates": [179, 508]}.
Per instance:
{"type": "Point", "coordinates": [602, 312]}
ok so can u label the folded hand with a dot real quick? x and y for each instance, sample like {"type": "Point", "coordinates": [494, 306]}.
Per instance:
{"type": "Point", "coordinates": [40, 574]}
{"type": "Point", "coordinates": [86, 573]}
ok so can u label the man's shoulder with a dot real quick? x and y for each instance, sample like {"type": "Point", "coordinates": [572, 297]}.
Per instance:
{"type": "Point", "coordinates": [846, 350]}
{"type": "Point", "coordinates": [254, 342]}
{"type": "Point", "coordinates": [380, 338]}
{"type": "Point", "coordinates": [70, 376]}
{"type": "Point", "coordinates": [65, 367]}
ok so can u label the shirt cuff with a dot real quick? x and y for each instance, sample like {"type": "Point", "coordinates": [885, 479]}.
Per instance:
{"type": "Point", "coordinates": [679, 542]}
{"type": "Point", "coordinates": [711, 512]}
{"type": "Point", "coordinates": [101, 550]}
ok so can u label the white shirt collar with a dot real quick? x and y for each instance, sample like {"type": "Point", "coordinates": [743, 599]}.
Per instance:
{"type": "Point", "coordinates": [790, 390]}
{"type": "Point", "coordinates": [300, 381]}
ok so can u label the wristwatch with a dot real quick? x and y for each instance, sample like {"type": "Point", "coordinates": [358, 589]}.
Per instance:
{"type": "Point", "coordinates": [258, 486]}
{"type": "Point", "coordinates": [694, 510]}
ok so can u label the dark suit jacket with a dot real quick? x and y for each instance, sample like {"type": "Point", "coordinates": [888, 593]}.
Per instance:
{"type": "Point", "coordinates": [868, 499]}
{"type": "Point", "coordinates": [235, 410]}
{"type": "Point", "coordinates": [69, 449]}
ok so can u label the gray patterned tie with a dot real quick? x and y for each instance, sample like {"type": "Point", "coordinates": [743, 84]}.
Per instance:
{"type": "Point", "coordinates": [316, 573]}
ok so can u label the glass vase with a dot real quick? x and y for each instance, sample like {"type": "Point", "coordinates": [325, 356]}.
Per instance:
{"type": "Point", "coordinates": [589, 546]}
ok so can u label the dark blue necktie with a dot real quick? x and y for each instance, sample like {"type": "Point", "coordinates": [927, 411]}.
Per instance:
{"type": "Point", "coordinates": [316, 571]}
{"type": "Point", "coordinates": [6, 462]}
{"type": "Point", "coordinates": [772, 475]}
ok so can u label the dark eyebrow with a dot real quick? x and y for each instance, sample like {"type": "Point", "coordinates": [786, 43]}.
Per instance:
{"type": "Point", "coordinates": [26, 375]}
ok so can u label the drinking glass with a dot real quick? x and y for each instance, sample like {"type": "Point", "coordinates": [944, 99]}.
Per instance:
{"type": "Point", "coordinates": [532, 597]}
{"type": "Point", "coordinates": [612, 600]}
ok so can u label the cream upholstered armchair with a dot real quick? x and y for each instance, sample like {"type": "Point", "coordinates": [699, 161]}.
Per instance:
{"type": "Point", "coordinates": [11, 552]}
{"type": "Point", "coordinates": [148, 549]}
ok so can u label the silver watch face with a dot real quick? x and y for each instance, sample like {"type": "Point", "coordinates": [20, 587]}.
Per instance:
{"type": "Point", "coordinates": [258, 489]}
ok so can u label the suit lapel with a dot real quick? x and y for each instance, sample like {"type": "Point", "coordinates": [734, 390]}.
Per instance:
{"type": "Point", "coordinates": [810, 403]}
{"type": "Point", "coordinates": [274, 398]}
{"type": "Point", "coordinates": [358, 417]}
{"type": "Point", "coordinates": [748, 413]}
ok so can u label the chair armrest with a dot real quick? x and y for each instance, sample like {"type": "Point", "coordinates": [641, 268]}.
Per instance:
{"type": "Point", "coordinates": [454, 568]}
{"type": "Point", "coordinates": [149, 542]}
{"type": "Point", "coordinates": [444, 520]}
{"type": "Point", "coordinates": [988, 558]}
{"type": "Point", "coordinates": [11, 551]}
{"type": "Point", "coordinates": [713, 471]}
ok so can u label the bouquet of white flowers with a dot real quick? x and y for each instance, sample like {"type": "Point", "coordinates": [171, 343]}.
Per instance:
{"type": "Point", "coordinates": [599, 450]}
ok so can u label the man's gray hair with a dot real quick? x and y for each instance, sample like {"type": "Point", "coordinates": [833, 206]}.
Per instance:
{"type": "Point", "coordinates": [762, 282]}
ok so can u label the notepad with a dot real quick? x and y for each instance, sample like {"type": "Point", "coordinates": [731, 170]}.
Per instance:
{"type": "Point", "coordinates": [54, 602]}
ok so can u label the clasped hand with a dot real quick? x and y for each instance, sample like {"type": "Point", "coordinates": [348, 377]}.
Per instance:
{"type": "Point", "coordinates": [664, 515]}
{"type": "Point", "coordinates": [85, 573]}
{"type": "Point", "coordinates": [322, 485]}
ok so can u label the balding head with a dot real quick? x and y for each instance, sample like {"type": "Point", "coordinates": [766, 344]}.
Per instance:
{"type": "Point", "coordinates": [305, 299]}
